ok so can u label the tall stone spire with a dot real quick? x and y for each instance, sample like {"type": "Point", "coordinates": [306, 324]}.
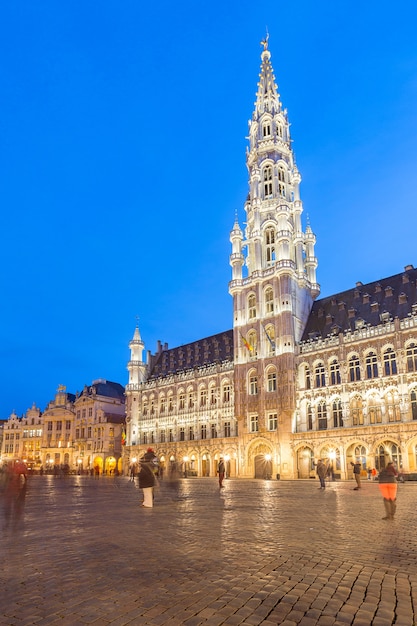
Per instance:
{"type": "Point", "coordinates": [277, 254]}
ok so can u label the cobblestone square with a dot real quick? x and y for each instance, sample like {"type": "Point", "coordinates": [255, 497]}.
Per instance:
{"type": "Point", "coordinates": [256, 552]}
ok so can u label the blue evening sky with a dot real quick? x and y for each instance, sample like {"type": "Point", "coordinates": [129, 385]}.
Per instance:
{"type": "Point", "coordinates": [122, 164]}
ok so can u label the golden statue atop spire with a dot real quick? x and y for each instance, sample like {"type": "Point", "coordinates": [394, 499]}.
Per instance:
{"type": "Point", "coordinates": [264, 42]}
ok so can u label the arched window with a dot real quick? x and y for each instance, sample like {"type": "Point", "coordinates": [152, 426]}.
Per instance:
{"type": "Point", "coordinates": [253, 385]}
{"type": "Point", "coordinates": [320, 375]}
{"type": "Point", "coordinates": [322, 416]}
{"type": "Point", "coordinates": [267, 178]}
{"type": "Point", "coordinates": [374, 410]}
{"type": "Point", "coordinates": [271, 381]}
{"type": "Point", "coordinates": [413, 400]}
{"type": "Point", "coordinates": [387, 452]}
{"type": "Point", "coordinates": [354, 369]}
{"type": "Point", "coordinates": [270, 255]}
{"type": "Point", "coordinates": [390, 362]}
{"type": "Point", "coordinates": [360, 455]}
{"type": "Point", "coordinates": [392, 406]}
{"type": "Point", "coordinates": [266, 129]}
{"type": "Point", "coordinates": [356, 411]}
{"type": "Point", "coordinates": [337, 414]}
{"type": "Point", "coordinates": [334, 372]}
{"type": "Point", "coordinates": [251, 306]}
{"type": "Point", "coordinates": [371, 365]}
{"type": "Point", "coordinates": [279, 130]}
{"type": "Point", "coordinates": [269, 300]}
{"type": "Point", "coordinates": [412, 357]}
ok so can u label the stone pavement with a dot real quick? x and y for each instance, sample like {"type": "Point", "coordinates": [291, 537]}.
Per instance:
{"type": "Point", "coordinates": [256, 552]}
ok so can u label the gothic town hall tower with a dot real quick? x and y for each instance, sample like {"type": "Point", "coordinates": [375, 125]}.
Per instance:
{"type": "Point", "coordinates": [273, 280]}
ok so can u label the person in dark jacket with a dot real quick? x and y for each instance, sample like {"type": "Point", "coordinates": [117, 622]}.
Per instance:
{"type": "Point", "coordinates": [357, 474]}
{"type": "Point", "coordinates": [388, 488]}
{"type": "Point", "coordinates": [221, 471]}
{"type": "Point", "coordinates": [146, 476]}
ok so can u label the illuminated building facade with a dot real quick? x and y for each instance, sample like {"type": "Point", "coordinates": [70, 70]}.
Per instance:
{"type": "Point", "coordinates": [79, 432]}
{"type": "Point", "coordinates": [297, 378]}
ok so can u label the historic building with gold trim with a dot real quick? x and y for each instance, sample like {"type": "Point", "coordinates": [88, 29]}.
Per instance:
{"type": "Point", "coordinates": [77, 432]}
{"type": "Point", "coordinates": [297, 378]}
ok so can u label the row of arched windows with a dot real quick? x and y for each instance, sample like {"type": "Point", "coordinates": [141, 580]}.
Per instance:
{"type": "Point", "coordinates": [358, 369]}
{"type": "Point", "coordinates": [373, 410]}
{"type": "Point", "coordinates": [187, 399]}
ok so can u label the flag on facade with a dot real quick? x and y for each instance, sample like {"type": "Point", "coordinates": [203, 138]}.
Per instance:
{"type": "Point", "coordinates": [123, 437]}
{"type": "Point", "coordinates": [246, 343]}
{"type": "Point", "coordinates": [269, 338]}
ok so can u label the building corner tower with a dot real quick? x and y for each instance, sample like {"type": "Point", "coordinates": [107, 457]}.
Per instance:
{"type": "Point", "coordinates": [273, 286]}
{"type": "Point", "coordinates": [137, 369]}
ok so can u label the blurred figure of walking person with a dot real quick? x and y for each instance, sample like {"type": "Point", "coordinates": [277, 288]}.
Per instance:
{"type": "Point", "coordinates": [388, 488]}
{"type": "Point", "coordinates": [14, 492]}
{"type": "Point", "coordinates": [321, 471]}
{"type": "Point", "coordinates": [220, 471]}
{"type": "Point", "coordinates": [147, 478]}
{"type": "Point", "coordinates": [357, 474]}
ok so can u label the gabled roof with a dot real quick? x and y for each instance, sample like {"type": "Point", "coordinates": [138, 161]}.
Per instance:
{"type": "Point", "coordinates": [365, 305]}
{"type": "Point", "coordinates": [200, 353]}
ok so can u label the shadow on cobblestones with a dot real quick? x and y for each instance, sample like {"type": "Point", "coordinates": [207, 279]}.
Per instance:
{"type": "Point", "coordinates": [256, 552]}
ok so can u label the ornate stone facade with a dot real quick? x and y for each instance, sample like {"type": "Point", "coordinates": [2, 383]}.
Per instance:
{"type": "Point", "coordinates": [297, 378]}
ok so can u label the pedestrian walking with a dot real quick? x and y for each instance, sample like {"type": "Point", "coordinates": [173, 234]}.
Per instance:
{"type": "Point", "coordinates": [146, 476]}
{"type": "Point", "coordinates": [388, 488]}
{"type": "Point", "coordinates": [321, 471]}
{"type": "Point", "coordinates": [14, 492]}
{"type": "Point", "coordinates": [220, 471]}
{"type": "Point", "coordinates": [357, 474]}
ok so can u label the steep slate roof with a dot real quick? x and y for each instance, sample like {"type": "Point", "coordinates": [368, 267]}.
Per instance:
{"type": "Point", "coordinates": [370, 304]}
{"type": "Point", "coordinates": [108, 389]}
{"type": "Point", "coordinates": [203, 352]}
